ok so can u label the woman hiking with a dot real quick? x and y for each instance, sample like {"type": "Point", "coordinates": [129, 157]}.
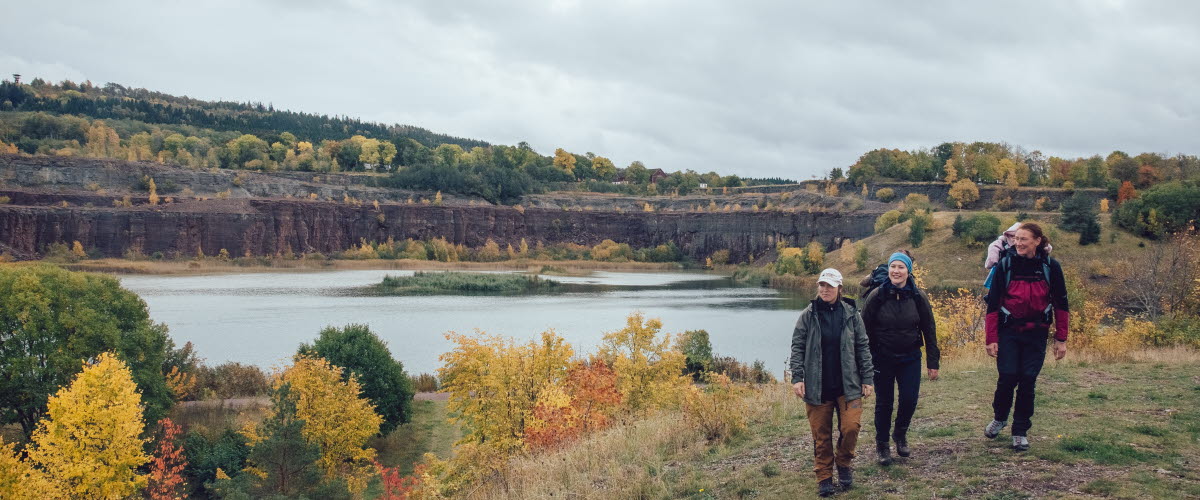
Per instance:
{"type": "Point", "coordinates": [1028, 293]}
{"type": "Point", "coordinates": [899, 320]}
{"type": "Point", "coordinates": [832, 373]}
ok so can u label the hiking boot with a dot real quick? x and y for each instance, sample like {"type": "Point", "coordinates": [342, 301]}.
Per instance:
{"type": "Point", "coordinates": [993, 429]}
{"type": "Point", "coordinates": [825, 488]}
{"type": "Point", "coordinates": [902, 446]}
{"type": "Point", "coordinates": [1020, 443]}
{"type": "Point", "coordinates": [845, 477]}
{"type": "Point", "coordinates": [884, 450]}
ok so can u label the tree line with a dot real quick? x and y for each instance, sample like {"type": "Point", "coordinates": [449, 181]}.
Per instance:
{"type": "Point", "coordinates": [1001, 163]}
{"type": "Point", "coordinates": [139, 125]}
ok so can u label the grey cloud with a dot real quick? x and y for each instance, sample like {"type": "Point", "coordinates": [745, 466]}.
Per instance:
{"type": "Point", "coordinates": [757, 88]}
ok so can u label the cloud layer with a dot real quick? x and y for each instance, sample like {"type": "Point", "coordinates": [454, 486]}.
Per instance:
{"type": "Point", "coordinates": [755, 88]}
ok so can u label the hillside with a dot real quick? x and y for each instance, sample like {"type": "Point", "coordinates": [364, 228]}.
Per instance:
{"type": "Point", "coordinates": [1097, 434]}
{"type": "Point", "coordinates": [946, 263]}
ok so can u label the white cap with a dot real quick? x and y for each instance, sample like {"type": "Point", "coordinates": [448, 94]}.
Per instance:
{"type": "Point", "coordinates": [831, 276]}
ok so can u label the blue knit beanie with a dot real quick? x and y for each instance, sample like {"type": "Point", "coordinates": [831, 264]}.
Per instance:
{"type": "Point", "coordinates": [902, 258]}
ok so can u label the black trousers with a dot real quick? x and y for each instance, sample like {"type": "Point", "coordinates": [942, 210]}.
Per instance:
{"type": "Point", "coordinates": [891, 374]}
{"type": "Point", "coordinates": [1019, 362]}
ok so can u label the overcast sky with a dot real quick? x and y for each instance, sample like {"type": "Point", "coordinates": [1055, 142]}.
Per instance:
{"type": "Point", "coordinates": [754, 88]}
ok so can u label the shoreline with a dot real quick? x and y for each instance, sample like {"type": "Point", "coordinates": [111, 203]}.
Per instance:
{"type": "Point", "coordinates": [214, 266]}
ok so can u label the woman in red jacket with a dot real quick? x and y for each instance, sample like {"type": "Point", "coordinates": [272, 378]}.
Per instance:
{"type": "Point", "coordinates": [1028, 293]}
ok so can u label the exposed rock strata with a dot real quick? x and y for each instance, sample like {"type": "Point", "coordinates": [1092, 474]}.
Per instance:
{"type": "Point", "coordinates": [268, 227]}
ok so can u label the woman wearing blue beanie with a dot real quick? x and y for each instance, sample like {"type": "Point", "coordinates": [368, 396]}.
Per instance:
{"type": "Point", "coordinates": [899, 320]}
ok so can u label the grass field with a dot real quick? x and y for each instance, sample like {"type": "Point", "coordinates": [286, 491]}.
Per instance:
{"type": "Point", "coordinates": [1101, 430]}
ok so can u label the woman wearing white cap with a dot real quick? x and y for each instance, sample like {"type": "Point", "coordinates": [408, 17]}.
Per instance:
{"type": "Point", "coordinates": [831, 371]}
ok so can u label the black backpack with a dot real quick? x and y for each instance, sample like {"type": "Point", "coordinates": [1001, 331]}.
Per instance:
{"type": "Point", "coordinates": [878, 277]}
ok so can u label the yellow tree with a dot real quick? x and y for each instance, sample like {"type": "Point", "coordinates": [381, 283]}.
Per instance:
{"type": "Point", "coordinates": [19, 480]}
{"type": "Point", "coordinates": [335, 418]}
{"type": "Point", "coordinates": [649, 372]}
{"type": "Point", "coordinates": [494, 384]}
{"type": "Point", "coordinates": [964, 192]}
{"type": "Point", "coordinates": [89, 443]}
{"type": "Point", "coordinates": [153, 192]}
{"type": "Point", "coordinates": [564, 160]}
{"type": "Point", "coordinates": [605, 169]}
{"type": "Point", "coordinates": [102, 142]}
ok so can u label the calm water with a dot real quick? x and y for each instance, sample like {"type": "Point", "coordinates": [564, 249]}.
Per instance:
{"type": "Point", "coordinates": [261, 318]}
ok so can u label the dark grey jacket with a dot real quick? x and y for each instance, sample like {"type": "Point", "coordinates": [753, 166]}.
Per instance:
{"type": "Point", "coordinates": [857, 369]}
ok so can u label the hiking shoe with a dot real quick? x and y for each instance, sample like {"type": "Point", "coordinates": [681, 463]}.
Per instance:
{"type": "Point", "coordinates": [902, 446]}
{"type": "Point", "coordinates": [1020, 443]}
{"type": "Point", "coordinates": [845, 477]}
{"type": "Point", "coordinates": [993, 429]}
{"type": "Point", "coordinates": [884, 451]}
{"type": "Point", "coordinates": [825, 488]}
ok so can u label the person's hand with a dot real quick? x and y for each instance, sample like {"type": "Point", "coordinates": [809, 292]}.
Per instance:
{"type": "Point", "coordinates": [993, 349]}
{"type": "Point", "coordinates": [798, 388]}
{"type": "Point", "coordinates": [933, 374]}
{"type": "Point", "coordinates": [1060, 350]}
{"type": "Point", "coordinates": [868, 390]}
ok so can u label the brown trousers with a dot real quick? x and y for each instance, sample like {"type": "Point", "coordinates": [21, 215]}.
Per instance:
{"type": "Point", "coordinates": [820, 418]}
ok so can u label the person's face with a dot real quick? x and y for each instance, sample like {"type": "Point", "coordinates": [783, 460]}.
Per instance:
{"type": "Point", "coordinates": [1026, 244]}
{"type": "Point", "coordinates": [898, 273]}
{"type": "Point", "coordinates": [827, 292]}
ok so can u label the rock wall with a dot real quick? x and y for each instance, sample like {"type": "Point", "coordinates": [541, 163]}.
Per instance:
{"type": "Point", "coordinates": [267, 227]}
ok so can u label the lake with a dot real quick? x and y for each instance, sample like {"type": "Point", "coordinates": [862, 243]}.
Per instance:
{"type": "Point", "coordinates": [261, 318]}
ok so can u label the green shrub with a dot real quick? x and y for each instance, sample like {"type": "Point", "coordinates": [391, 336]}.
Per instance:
{"type": "Point", "coordinates": [434, 283]}
{"type": "Point", "coordinates": [697, 350]}
{"type": "Point", "coordinates": [885, 195]}
{"type": "Point", "coordinates": [888, 219]}
{"type": "Point", "coordinates": [921, 222]}
{"type": "Point", "coordinates": [978, 230]}
{"type": "Point", "coordinates": [1163, 209]}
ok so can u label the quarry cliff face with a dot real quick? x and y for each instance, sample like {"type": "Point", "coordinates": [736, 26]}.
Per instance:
{"type": "Point", "coordinates": [63, 200]}
{"type": "Point", "coordinates": [269, 227]}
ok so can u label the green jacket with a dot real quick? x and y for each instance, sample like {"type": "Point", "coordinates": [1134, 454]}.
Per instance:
{"type": "Point", "coordinates": [857, 369]}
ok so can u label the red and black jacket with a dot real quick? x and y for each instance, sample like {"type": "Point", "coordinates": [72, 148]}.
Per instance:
{"type": "Point", "coordinates": [1027, 294]}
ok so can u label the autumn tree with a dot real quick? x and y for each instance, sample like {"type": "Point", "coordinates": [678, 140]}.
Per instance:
{"type": "Point", "coordinates": [584, 403]}
{"type": "Point", "coordinates": [964, 193]}
{"type": "Point", "coordinates": [605, 170]}
{"type": "Point", "coordinates": [53, 319]}
{"type": "Point", "coordinates": [153, 191]}
{"type": "Point", "coordinates": [166, 468]}
{"type": "Point", "coordinates": [564, 161]}
{"type": "Point", "coordinates": [494, 384]}
{"type": "Point", "coordinates": [284, 460]}
{"type": "Point", "coordinates": [335, 419]}
{"type": "Point", "coordinates": [89, 443]}
{"type": "Point", "coordinates": [649, 371]}
{"type": "Point", "coordinates": [20, 480]}
{"type": "Point", "coordinates": [1126, 192]}
{"type": "Point", "coordinates": [364, 356]}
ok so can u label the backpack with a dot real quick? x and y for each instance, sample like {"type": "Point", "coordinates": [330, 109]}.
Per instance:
{"type": "Point", "coordinates": [878, 277]}
{"type": "Point", "coordinates": [1006, 262]}
{"type": "Point", "coordinates": [1005, 251]}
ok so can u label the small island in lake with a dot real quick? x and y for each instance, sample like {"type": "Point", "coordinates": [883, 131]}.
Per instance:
{"type": "Point", "coordinates": [446, 283]}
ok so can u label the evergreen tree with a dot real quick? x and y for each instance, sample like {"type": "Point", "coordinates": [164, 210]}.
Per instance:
{"type": "Point", "coordinates": [1077, 213]}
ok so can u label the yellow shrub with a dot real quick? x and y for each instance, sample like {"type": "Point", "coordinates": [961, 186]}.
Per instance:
{"type": "Point", "coordinates": [960, 321]}
{"type": "Point", "coordinates": [1118, 342]}
{"type": "Point", "coordinates": [717, 410]}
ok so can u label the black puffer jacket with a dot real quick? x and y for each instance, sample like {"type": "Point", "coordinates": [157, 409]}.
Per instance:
{"type": "Point", "coordinates": [899, 321]}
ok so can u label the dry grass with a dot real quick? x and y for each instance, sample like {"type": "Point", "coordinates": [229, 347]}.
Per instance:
{"type": "Point", "coordinates": [1127, 429]}
{"type": "Point", "coordinates": [948, 263]}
